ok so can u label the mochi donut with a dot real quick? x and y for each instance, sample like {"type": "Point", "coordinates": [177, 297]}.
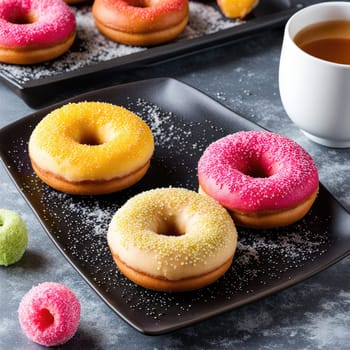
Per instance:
{"type": "Point", "coordinates": [237, 8]}
{"type": "Point", "coordinates": [141, 22]}
{"type": "Point", "coordinates": [49, 314]}
{"type": "Point", "coordinates": [172, 239]}
{"type": "Point", "coordinates": [13, 237]}
{"type": "Point", "coordinates": [264, 179]}
{"type": "Point", "coordinates": [33, 31]}
{"type": "Point", "coordinates": [91, 148]}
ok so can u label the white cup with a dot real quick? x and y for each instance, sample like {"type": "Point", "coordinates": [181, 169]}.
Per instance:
{"type": "Point", "coordinates": [314, 92]}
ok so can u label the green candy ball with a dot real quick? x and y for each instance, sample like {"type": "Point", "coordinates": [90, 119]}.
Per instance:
{"type": "Point", "coordinates": [13, 237]}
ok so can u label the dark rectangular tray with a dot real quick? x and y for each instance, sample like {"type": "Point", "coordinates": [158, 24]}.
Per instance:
{"type": "Point", "coordinates": [265, 262]}
{"type": "Point", "coordinates": [92, 54]}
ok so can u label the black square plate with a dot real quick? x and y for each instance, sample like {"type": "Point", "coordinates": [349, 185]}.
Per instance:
{"type": "Point", "coordinates": [184, 122]}
{"type": "Point", "coordinates": [92, 54]}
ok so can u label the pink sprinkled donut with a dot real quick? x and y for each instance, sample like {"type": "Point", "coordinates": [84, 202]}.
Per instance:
{"type": "Point", "coordinates": [265, 180]}
{"type": "Point", "coordinates": [33, 31]}
{"type": "Point", "coordinates": [141, 22]}
{"type": "Point", "coordinates": [49, 314]}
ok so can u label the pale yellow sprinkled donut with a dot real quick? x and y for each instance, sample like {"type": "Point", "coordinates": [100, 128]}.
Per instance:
{"type": "Point", "coordinates": [91, 148]}
{"type": "Point", "coordinates": [172, 239]}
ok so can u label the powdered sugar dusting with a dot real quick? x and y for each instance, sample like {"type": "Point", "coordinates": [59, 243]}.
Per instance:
{"type": "Point", "coordinates": [92, 48]}
{"type": "Point", "coordinates": [79, 225]}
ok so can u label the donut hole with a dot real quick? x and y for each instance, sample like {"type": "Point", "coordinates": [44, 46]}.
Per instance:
{"type": "Point", "coordinates": [91, 139]}
{"type": "Point", "coordinates": [140, 3]}
{"type": "Point", "coordinates": [257, 170]}
{"type": "Point", "coordinates": [45, 319]}
{"type": "Point", "coordinates": [169, 226]}
{"type": "Point", "coordinates": [95, 137]}
{"type": "Point", "coordinates": [17, 16]}
{"type": "Point", "coordinates": [257, 166]}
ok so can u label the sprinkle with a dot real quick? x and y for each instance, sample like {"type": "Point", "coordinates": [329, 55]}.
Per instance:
{"type": "Point", "coordinates": [54, 22]}
{"type": "Point", "coordinates": [176, 227]}
{"type": "Point", "coordinates": [83, 222]}
{"type": "Point", "coordinates": [257, 171]}
{"type": "Point", "coordinates": [92, 48]}
{"type": "Point", "coordinates": [91, 141]}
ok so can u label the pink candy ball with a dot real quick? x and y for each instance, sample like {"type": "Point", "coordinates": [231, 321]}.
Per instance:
{"type": "Point", "coordinates": [49, 314]}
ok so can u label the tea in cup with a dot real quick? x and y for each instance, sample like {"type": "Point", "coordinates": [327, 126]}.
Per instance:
{"type": "Point", "coordinates": [314, 72]}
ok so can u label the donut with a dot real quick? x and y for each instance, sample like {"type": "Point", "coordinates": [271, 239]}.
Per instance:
{"type": "Point", "coordinates": [141, 22]}
{"type": "Point", "coordinates": [49, 314]}
{"type": "Point", "coordinates": [13, 237]}
{"type": "Point", "coordinates": [264, 179]}
{"type": "Point", "coordinates": [237, 8]}
{"type": "Point", "coordinates": [33, 31]}
{"type": "Point", "coordinates": [91, 148]}
{"type": "Point", "coordinates": [172, 240]}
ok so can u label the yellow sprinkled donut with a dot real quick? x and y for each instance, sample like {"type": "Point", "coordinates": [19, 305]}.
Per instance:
{"type": "Point", "coordinates": [172, 239]}
{"type": "Point", "coordinates": [91, 148]}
